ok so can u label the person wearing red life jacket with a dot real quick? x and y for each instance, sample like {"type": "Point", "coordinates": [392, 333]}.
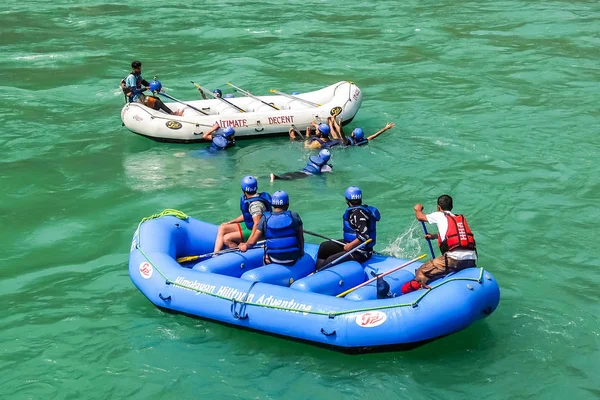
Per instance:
{"type": "Point", "coordinates": [455, 240]}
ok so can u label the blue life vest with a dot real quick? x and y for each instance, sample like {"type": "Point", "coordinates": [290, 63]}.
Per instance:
{"type": "Point", "coordinates": [314, 165]}
{"type": "Point", "coordinates": [353, 142]}
{"type": "Point", "coordinates": [374, 216]}
{"type": "Point", "coordinates": [263, 197]}
{"type": "Point", "coordinates": [282, 239]}
{"type": "Point", "coordinates": [326, 144]}
{"type": "Point", "coordinates": [137, 89]}
{"type": "Point", "coordinates": [220, 142]}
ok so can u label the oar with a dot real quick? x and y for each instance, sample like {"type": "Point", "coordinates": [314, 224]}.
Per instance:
{"type": "Point", "coordinates": [428, 240]}
{"type": "Point", "coordinates": [363, 244]}
{"type": "Point", "coordinates": [245, 93]}
{"type": "Point", "coordinates": [181, 102]}
{"type": "Point", "coordinates": [382, 275]}
{"type": "Point", "coordinates": [324, 237]}
{"type": "Point", "coordinates": [216, 97]}
{"type": "Point", "coordinates": [289, 96]}
{"type": "Point", "coordinates": [192, 258]}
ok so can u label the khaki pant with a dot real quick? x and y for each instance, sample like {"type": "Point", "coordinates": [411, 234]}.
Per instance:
{"type": "Point", "coordinates": [439, 267]}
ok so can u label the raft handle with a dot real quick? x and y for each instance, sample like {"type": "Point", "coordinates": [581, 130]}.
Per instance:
{"type": "Point", "coordinates": [324, 332]}
{"type": "Point", "coordinates": [164, 298]}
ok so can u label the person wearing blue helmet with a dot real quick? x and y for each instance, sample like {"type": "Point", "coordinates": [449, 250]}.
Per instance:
{"type": "Point", "coordinates": [218, 93]}
{"type": "Point", "coordinates": [359, 225]}
{"type": "Point", "coordinates": [322, 137]}
{"type": "Point", "coordinates": [357, 137]}
{"type": "Point", "coordinates": [315, 166]}
{"type": "Point", "coordinates": [220, 140]}
{"type": "Point", "coordinates": [282, 230]}
{"type": "Point", "coordinates": [253, 205]}
{"type": "Point", "coordinates": [154, 102]}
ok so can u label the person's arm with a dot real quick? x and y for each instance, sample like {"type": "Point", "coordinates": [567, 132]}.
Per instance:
{"type": "Point", "coordinates": [312, 145]}
{"type": "Point", "coordinates": [340, 131]}
{"type": "Point", "coordinates": [387, 126]}
{"type": "Point", "coordinates": [257, 232]}
{"type": "Point", "coordinates": [209, 135]}
{"type": "Point", "coordinates": [237, 220]}
{"type": "Point", "coordinates": [300, 232]}
{"type": "Point", "coordinates": [145, 82]}
{"type": "Point", "coordinates": [419, 213]}
{"type": "Point", "coordinates": [333, 128]}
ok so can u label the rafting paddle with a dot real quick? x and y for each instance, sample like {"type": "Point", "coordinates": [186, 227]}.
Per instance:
{"type": "Point", "coordinates": [202, 90]}
{"type": "Point", "coordinates": [289, 96]}
{"type": "Point", "coordinates": [382, 275]}
{"type": "Point", "coordinates": [246, 93]}
{"type": "Point", "coordinates": [192, 258]}
{"type": "Point", "coordinates": [324, 237]}
{"type": "Point", "coordinates": [428, 240]}
{"type": "Point", "coordinates": [181, 102]}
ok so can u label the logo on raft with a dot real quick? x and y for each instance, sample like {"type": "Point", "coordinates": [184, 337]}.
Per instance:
{"type": "Point", "coordinates": [371, 319]}
{"type": "Point", "coordinates": [173, 125]}
{"type": "Point", "coordinates": [138, 118]}
{"type": "Point", "coordinates": [335, 111]}
{"type": "Point", "coordinates": [146, 270]}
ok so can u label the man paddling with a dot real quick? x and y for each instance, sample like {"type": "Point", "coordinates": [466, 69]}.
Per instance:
{"type": "Point", "coordinates": [455, 240]}
{"type": "Point", "coordinates": [359, 225]}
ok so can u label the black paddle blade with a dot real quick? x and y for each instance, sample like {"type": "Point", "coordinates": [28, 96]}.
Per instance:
{"type": "Point", "coordinates": [383, 288]}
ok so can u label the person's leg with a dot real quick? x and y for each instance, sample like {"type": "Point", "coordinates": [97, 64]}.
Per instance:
{"type": "Point", "coordinates": [289, 176]}
{"type": "Point", "coordinates": [224, 230]}
{"type": "Point", "coordinates": [432, 269]}
{"type": "Point", "coordinates": [232, 239]}
{"type": "Point", "coordinates": [326, 250]}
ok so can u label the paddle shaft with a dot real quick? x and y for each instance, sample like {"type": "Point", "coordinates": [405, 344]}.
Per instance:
{"type": "Point", "coordinates": [290, 96]}
{"type": "Point", "coordinates": [181, 102]}
{"type": "Point", "coordinates": [218, 98]}
{"type": "Point", "coordinates": [192, 258]}
{"type": "Point", "coordinates": [346, 255]}
{"type": "Point", "coordinates": [381, 275]}
{"type": "Point", "coordinates": [324, 237]}
{"type": "Point", "coordinates": [428, 240]}
{"type": "Point", "coordinates": [245, 93]}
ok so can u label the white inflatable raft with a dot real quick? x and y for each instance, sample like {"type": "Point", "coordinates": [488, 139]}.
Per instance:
{"type": "Point", "coordinates": [259, 119]}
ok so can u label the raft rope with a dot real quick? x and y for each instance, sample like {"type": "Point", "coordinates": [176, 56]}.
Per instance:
{"type": "Point", "coordinates": [169, 212]}
{"type": "Point", "coordinates": [330, 314]}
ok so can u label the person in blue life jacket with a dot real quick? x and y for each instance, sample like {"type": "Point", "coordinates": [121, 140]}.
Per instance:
{"type": "Point", "coordinates": [321, 140]}
{"type": "Point", "coordinates": [253, 205]}
{"type": "Point", "coordinates": [154, 102]}
{"type": "Point", "coordinates": [220, 140]}
{"type": "Point", "coordinates": [359, 225]}
{"type": "Point", "coordinates": [357, 137]}
{"type": "Point", "coordinates": [134, 84]}
{"type": "Point", "coordinates": [282, 230]}
{"type": "Point", "coordinates": [315, 166]}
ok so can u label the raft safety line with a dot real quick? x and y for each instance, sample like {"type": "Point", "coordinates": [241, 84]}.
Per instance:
{"type": "Point", "coordinates": [331, 314]}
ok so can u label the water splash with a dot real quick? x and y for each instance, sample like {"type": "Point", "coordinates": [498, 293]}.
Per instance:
{"type": "Point", "coordinates": [408, 244]}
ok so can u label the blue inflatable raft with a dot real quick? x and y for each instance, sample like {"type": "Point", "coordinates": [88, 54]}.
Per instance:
{"type": "Point", "coordinates": [235, 288]}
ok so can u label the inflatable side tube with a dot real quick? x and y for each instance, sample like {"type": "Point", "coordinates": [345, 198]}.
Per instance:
{"type": "Point", "coordinates": [232, 264]}
{"type": "Point", "coordinates": [281, 275]}
{"type": "Point", "coordinates": [334, 280]}
{"type": "Point", "coordinates": [369, 292]}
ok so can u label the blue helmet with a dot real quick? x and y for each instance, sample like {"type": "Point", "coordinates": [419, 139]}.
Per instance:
{"type": "Point", "coordinates": [155, 86]}
{"type": "Point", "coordinates": [218, 92]}
{"type": "Point", "coordinates": [249, 184]}
{"type": "Point", "coordinates": [359, 134]}
{"type": "Point", "coordinates": [280, 198]}
{"type": "Point", "coordinates": [324, 129]}
{"type": "Point", "coordinates": [295, 93]}
{"type": "Point", "coordinates": [325, 155]}
{"type": "Point", "coordinates": [228, 132]}
{"type": "Point", "coordinates": [229, 96]}
{"type": "Point", "coordinates": [353, 193]}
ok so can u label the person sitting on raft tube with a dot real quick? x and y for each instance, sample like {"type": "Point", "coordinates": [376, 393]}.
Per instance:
{"type": "Point", "coordinates": [154, 102]}
{"type": "Point", "coordinates": [282, 230]}
{"type": "Point", "coordinates": [220, 141]}
{"type": "Point", "coordinates": [133, 84]}
{"type": "Point", "coordinates": [359, 225]}
{"type": "Point", "coordinates": [357, 137]}
{"type": "Point", "coordinates": [455, 240]}
{"type": "Point", "coordinates": [253, 205]}
{"type": "Point", "coordinates": [315, 166]}
{"type": "Point", "coordinates": [321, 138]}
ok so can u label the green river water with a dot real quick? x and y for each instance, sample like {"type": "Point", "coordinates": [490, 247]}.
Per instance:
{"type": "Point", "coordinates": [495, 103]}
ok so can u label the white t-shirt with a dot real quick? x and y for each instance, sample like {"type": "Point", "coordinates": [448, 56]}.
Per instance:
{"type": "Point", "coordinates": [441, 221]}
